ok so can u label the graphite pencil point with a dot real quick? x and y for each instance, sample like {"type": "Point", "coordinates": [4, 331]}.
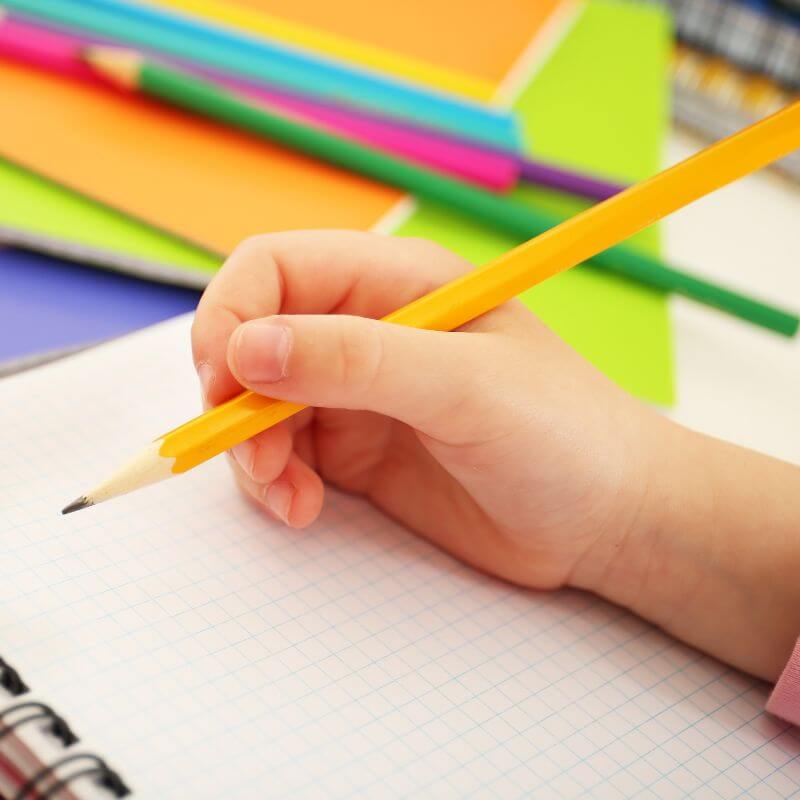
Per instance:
{"type": "Point", "coordinates": [76, 505]}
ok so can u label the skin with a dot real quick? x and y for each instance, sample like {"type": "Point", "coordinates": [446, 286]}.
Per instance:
{"type": "Point", "coordinates": [497, 442]}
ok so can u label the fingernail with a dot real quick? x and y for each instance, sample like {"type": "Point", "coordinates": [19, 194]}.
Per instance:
{"type": "Point", "coordinates": [262, 351]}
{"type": "Point", "coordinates": [279, 499]}
{"type": "Point", "coordinates": [245, 453]}
{"type": "Point", "coordinates": [206, 374]}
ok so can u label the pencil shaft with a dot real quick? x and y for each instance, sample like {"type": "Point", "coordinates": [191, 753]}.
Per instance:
{"type": "Point", "coordinates": [595, 232]}
{"type": "Point", "coordinates": [531, 263]}
{"type": "Point", "coordinates": [503, 213]}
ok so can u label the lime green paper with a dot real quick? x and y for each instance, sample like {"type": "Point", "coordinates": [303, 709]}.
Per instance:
{"type": "Point", "coordinates": [600, 103]}
{"type": "Point", "coordinates": [44, 209]}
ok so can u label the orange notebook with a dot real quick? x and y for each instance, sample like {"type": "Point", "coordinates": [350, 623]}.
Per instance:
{"type": "Point", "coordinates": [142, 159]}
{"type": "Point", "coordinates": [472, 38]}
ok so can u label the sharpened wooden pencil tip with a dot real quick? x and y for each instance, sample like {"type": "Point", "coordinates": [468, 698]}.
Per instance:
{"type": "Point", "coordinates": [118, 64]}
{"type": "Point", "coordinates": [146, 467]}
{"type": "Point", "coordinates": [77, 505]}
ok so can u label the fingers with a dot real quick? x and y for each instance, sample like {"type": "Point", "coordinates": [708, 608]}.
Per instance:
{"type": "Point", "coordinates": [264, 457]}
{"type": "Point", "coordinates": [294, 496]}
{"type": "Point", "coordinates": [312, 272]}
{"type": "Point", "coordinates": [432, 381]}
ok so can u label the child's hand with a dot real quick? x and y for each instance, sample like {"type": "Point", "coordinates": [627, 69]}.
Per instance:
{"type": "Point", "coordinates": [497, 442]}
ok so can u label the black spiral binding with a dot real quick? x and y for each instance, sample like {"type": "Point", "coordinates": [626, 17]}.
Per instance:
{"type": "Point", "coordinates": [106, 777]}
{"type": "Point", "coordinates": [10, 679]}
{"type": "Point", "coordinates": [58, 727]}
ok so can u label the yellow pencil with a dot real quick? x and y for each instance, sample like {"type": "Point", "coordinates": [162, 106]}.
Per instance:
{"type": "Point", "coordinates": [481, 290]}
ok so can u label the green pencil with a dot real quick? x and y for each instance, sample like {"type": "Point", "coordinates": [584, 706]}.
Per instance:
{"type": "Point", "coordinates": [129, 69]}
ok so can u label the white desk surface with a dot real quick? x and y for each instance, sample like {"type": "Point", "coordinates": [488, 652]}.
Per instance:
{"type": "Point", "coordinates": [733, 380]}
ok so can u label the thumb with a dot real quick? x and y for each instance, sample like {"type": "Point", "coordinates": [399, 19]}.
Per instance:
{"type": "Point", "coordinates": [337, 361]}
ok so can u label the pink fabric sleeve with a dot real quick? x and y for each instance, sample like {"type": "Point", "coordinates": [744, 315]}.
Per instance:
{"type": "Point", "coordinates": [784, 701]}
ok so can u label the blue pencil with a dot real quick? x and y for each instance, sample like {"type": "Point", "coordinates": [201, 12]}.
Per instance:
{"type": "Point", "coordinates": [258, 59]}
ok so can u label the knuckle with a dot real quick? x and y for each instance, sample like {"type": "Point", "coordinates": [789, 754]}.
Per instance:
{"type": "Point", "coordinates": [445, 263]}
{"type": "Point", "coordinates": [259, 249]}
{"type": "Point", "coordinates": [422, 244]}
{"type": "Point", "coordinates": [267, 245]}
{"type": "Point", "coordinates": [429, 250]}
{"type": "Point", "coordinates": [256, 245]}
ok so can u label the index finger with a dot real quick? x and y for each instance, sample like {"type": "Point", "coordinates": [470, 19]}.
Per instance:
{"type": "Point", "coordinates": [310, 272]}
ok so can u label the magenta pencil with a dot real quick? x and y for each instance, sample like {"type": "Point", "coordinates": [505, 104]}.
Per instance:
{"type": "Point", "coordinates": [42, 48]}
{"type": "Point", "coordinates": [492, 169]}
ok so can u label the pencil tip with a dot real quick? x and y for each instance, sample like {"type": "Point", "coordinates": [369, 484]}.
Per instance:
{"type": "Point", "coordinates": [119, 64]}
{"type": "Point", "coordinates": [77, 505]}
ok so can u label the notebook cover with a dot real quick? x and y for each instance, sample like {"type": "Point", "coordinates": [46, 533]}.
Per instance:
{"type": "Point", "coordinates": [47, 304]}
{"type": "Point", "coordinates": [208, 184]}
{"type": "Point", "coordinates": [40, 214]}
{"type": "Point", "coordinates": [468, 52]}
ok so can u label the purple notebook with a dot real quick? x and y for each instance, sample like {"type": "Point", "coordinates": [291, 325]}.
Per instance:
{"type": "Point", "coordinates": [48, 305]}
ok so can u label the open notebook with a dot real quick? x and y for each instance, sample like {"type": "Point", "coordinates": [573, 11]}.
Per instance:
{"type": "Point", "coordinates": [204, 652]}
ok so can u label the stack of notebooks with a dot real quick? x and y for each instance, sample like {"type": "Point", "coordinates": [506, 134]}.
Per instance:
{"type": "Point", "coordinates": [186, 648]}
{"type": "Point", "coordinates": [90, 175]}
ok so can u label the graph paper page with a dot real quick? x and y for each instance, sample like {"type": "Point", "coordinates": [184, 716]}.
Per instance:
{"type": "Point", "coordinates": [207, 652]}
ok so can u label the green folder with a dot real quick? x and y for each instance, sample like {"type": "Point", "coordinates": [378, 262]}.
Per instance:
{"type": "Point", "coordinates": [598, 103]}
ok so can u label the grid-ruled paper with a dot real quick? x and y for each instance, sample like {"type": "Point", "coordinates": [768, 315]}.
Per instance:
{"type": "Point", "coordinates": [208, 652]}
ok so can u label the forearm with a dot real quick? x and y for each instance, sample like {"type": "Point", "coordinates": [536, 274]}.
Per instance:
{"type": "Point", "coordinates": [714, 554]}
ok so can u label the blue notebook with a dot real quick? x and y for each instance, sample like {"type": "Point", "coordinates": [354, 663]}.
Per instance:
{"type": "Point", "coordinates": [47, 304]}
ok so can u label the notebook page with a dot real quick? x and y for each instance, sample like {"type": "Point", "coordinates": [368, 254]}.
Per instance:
{"type": "Point", "coordinates": [207, 652]}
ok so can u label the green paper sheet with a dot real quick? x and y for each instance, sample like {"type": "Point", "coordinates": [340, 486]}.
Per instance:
{"type": "Point", "coordinates": [600, 103]}
{"type": "Point", "coordinates": [42, 214]}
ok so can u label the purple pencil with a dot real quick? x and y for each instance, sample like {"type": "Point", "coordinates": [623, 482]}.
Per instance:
{"type": "Point", "coordinates": [568, 180]}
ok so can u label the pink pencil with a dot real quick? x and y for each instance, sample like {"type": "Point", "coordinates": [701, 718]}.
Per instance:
{"type": "Point", "coordinates": [60, 52]}
{"type": "Point", "coordinates": [41, 48]}
{"type": "Point", "coordinates": [489, 168]}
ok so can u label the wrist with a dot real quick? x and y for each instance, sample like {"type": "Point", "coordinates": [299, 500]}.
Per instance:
{"type": "Point", "coordinates": [712, 555]}
{"type": "Point", "coordinates": [650, 560]}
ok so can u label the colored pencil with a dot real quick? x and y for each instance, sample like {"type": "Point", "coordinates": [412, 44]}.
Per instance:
{"type": "Point", "coordinates": [59, 52]}
{"type": "Point", "coordinates": [41, 48]}
{"type": "Point", "coordinates": [290, 68]}
{"type": "Point", "coordinates": [497, 169]}
{"type": "Point", "coordinates": [567, 180]}
{"type": "Point", "coordinates": [481, 290]}
{"type": "Point", "coordinates": [491, 167]}
{"type": "Point", "coordinates": [129, 69]}
{"type": "Point", "coordinates": [560, 178]}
